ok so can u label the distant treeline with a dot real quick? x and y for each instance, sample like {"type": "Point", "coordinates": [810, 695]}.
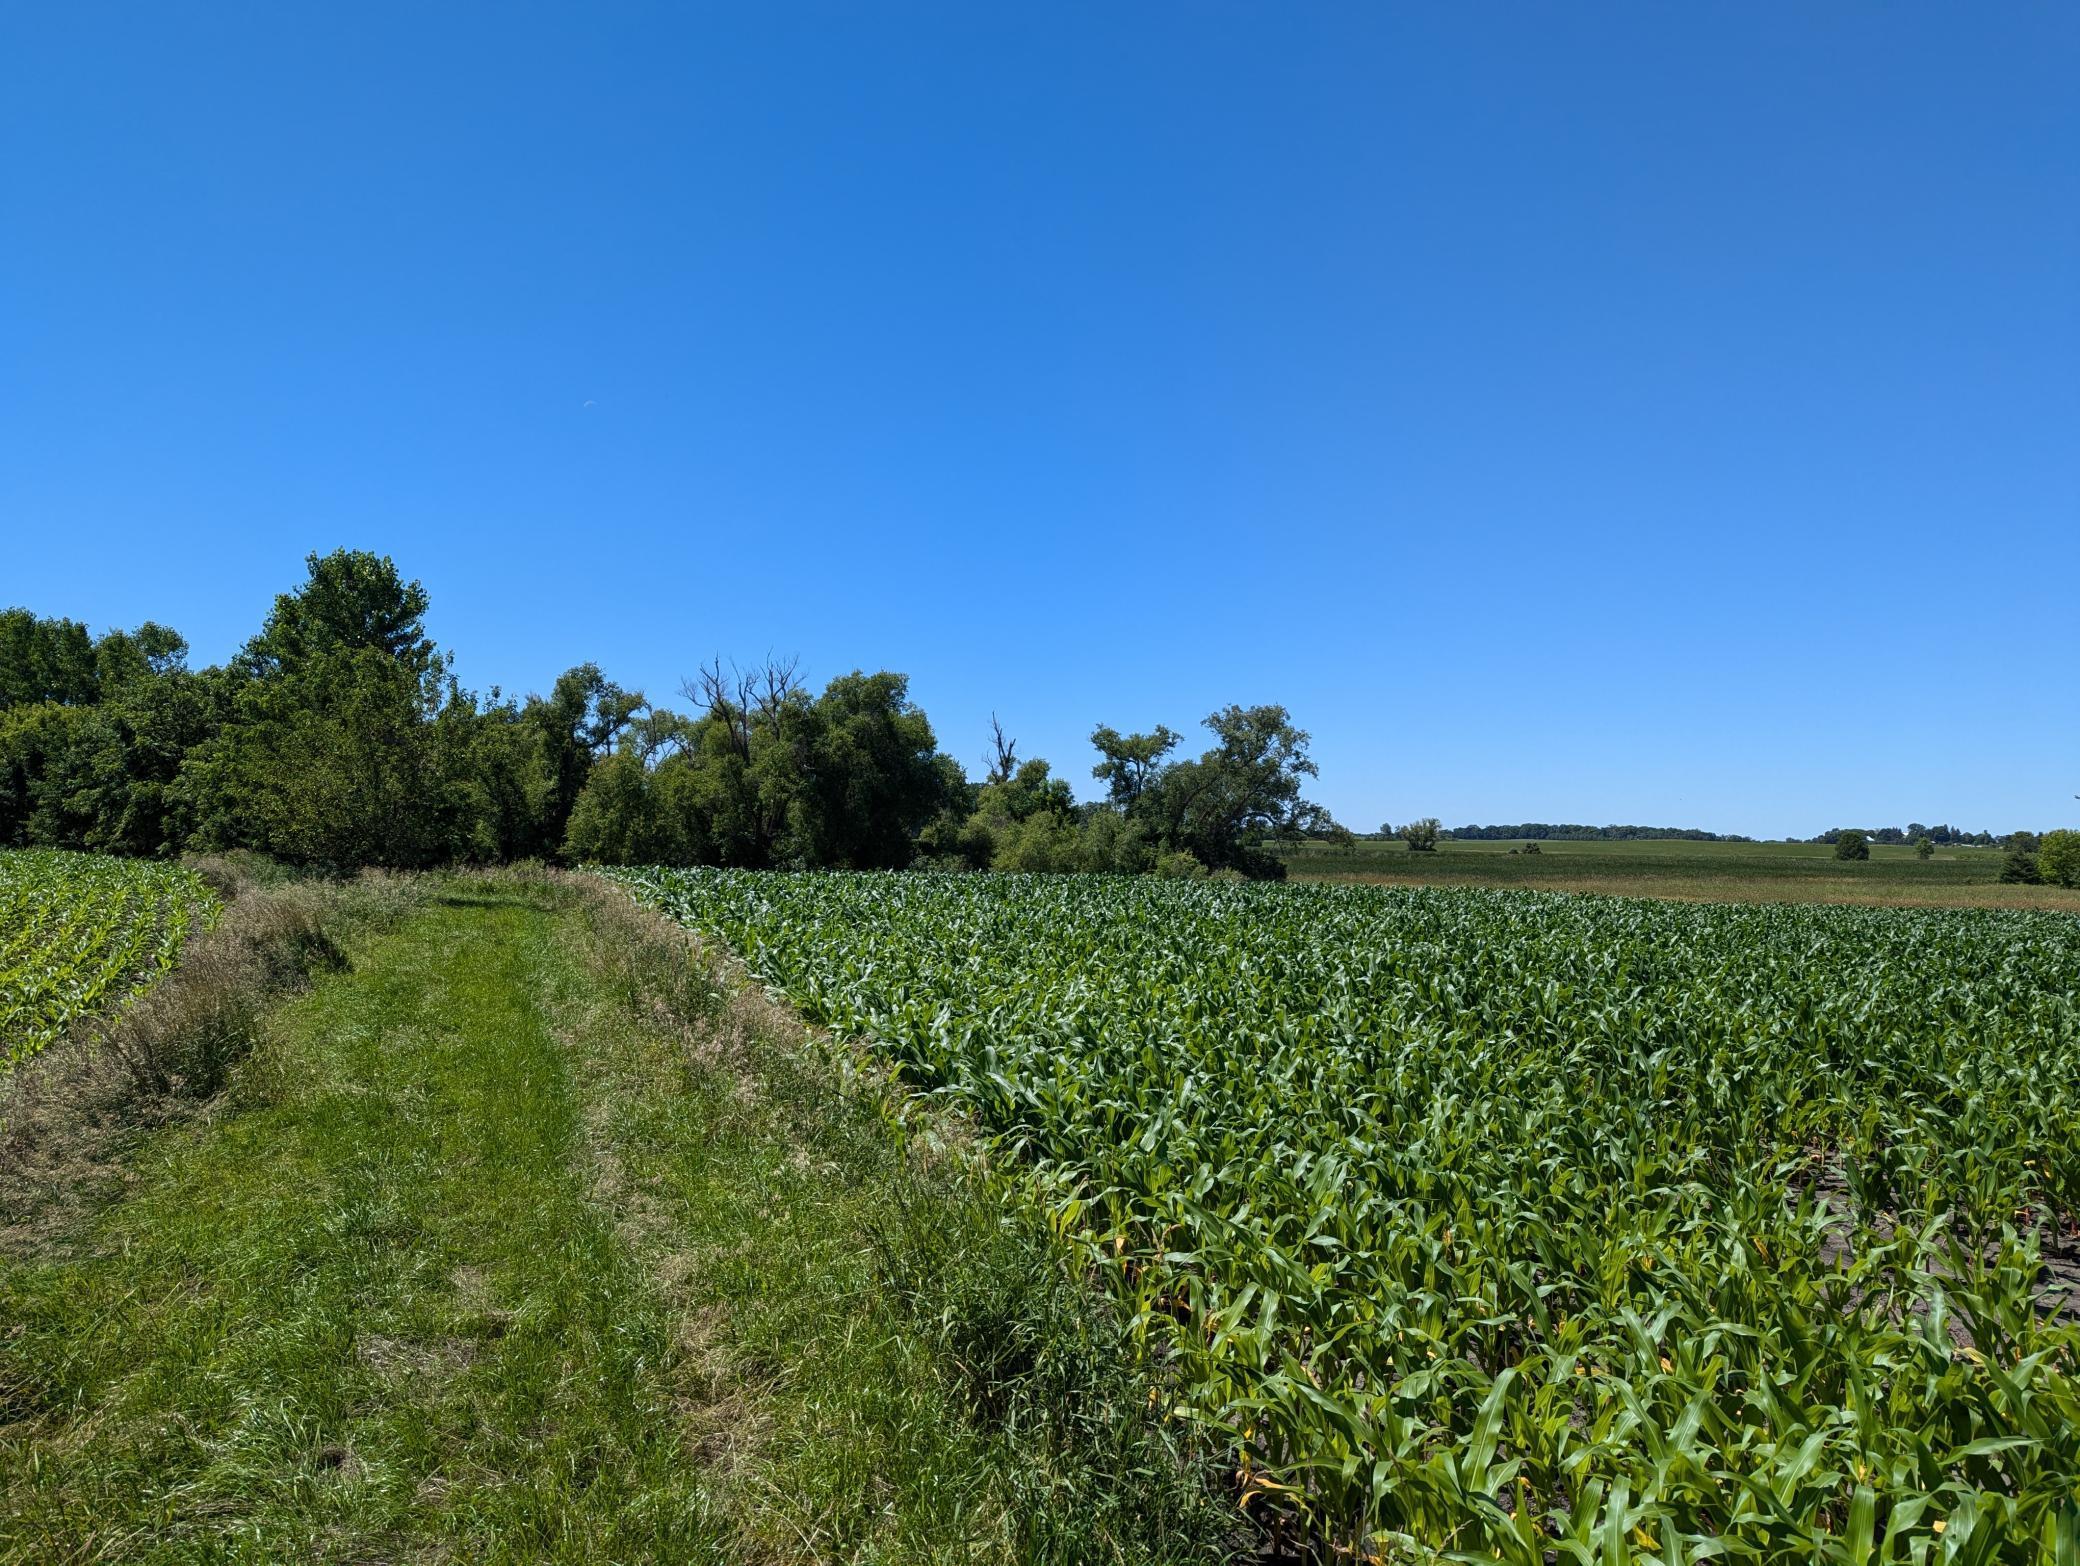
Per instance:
{"type": "Point", "coordinates": [1540, 831]}
{"type": "Point", "coordinates": [1543, 831]}
{"type": "Point", "coordinates": [1914, 832]}
{"type": "Point", "coordinates": [338, 736]}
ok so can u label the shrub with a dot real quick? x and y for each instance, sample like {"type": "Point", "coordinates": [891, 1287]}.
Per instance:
{"type": "Point", "coordinates": [1042, 843]}
{"type": "Point", "coordinates": [1852, 844]}
{"type": "Point", "coordinates": [1421, 836]}
{"type": "Point", "coordinates": [2058, 858]}
{"type": "Point", "coordinates": [2020, 869]}
{"type": "Point", "coordinates": [1112, 844]}
{"type": "Point", "coordinates": [1923, 848]}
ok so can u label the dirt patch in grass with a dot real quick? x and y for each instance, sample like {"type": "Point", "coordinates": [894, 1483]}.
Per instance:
{"type": "Point", "coordinates": [393, 1358]}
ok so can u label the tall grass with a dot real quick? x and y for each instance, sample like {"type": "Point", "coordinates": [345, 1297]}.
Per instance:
{"type": "Point", "coordinates": [1062, 1455]}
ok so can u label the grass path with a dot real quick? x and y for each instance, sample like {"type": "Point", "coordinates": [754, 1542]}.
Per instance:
{"type": "Point", "coordinates": [373, 1319]}
{"type": "Point", "coordinates": [472, 1267]}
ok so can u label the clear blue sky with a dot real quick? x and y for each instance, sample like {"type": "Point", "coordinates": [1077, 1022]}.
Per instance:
{"type": "Point", "coordinates": [1657, 413]}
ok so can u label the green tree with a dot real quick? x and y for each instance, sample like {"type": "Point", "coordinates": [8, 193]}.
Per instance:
{"type": "Point", "coordinates": [45, 661]}
{"type": "Point", "coordinates": [1109, 842]}
{"type": "Point", "coordinates": [1924, 848]}
{"type": "Point", "coordinates": [43, 748]}
{"type": "Point", "coordinates": [1852, 844]}
{"type": "Point", "coordinates": [330, 755]}
{"type": "Point", "coordinates": [2058, 858]}
{"type": "Point", "coordinates": [2020, 869]}
{"type": "Point", "coordinates": [618, 820]}
{"type": "Point", "coordinates": [111, 787]}
{"type": "Point", "coordinates": [1228, 806]}
{"type": "Point", "coordinates": [993, 833]}
{"type": "Point", "coordinates": [1043, 842]}
{"type": "Point", "coordinates": [1131, 761]}
{"type": "Point", "coordinates": [768, 776]}
{"type": "Point", "coordinates": [97, 770]}
{"type": "Point", "coordinates": [351, 602]}
{"type": "Point", "coordinates": [125, 660]}
{"type": "Point", "coordinates": [509, 783]}
{"type": "Point", "coordinates": [1421, 836]}
{"type": "Point", "coordinates": [346, 773]}
{"type": "Point", "coordinates": [873, 775]}
{"type": "Point", "coordinates": [564, 734]}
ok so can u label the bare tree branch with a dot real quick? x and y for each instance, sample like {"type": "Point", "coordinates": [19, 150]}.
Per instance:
{"type": "Point", "coordinates": [1003, 758]}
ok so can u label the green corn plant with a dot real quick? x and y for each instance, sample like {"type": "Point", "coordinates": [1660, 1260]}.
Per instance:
{"type": "Point", "coordinates": [1520, 1227]}
{"type": "Point", "coordinates": [81, 933]}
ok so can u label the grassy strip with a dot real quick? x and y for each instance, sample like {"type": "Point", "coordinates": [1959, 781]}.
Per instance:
{"type": "Point", "coordinates": [527, 1239]}
{"type": "Point", "coordinates": [367, 1315]}
{"type": "Point", "coordinates": [928, 1378]}
{"type": "Point", "coordinates": [71, 1116]}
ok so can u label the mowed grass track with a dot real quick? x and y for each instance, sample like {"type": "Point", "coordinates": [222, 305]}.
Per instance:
{"type": "Point", "coordinates": [378, 1316]}
{"type": "Point", "coordinates": [472, 1266]}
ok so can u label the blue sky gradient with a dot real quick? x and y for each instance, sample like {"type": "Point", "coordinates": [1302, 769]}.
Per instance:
{"type": "Point", "coordinates": [1638, 413]}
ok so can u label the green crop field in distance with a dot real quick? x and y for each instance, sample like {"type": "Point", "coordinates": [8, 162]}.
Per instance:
{"type": "Point", "coordinates": [1522, 1227]}
{"type": "Point", "coordinates": [1715, 872]}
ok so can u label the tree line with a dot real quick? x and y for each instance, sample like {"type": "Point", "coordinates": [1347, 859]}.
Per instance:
{"type": "Point", "coordinates": [1943, 835]}
{"type": "Point", "coordinates": [1547, 832]}
{"type": "Point", "coordinates": [338, 737]}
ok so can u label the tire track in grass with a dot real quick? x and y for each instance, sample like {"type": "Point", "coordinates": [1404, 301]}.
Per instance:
{"type": "Point", "coordinates": [373, 1315]}
{"type": "Point", "coordinates": [488, 1255]}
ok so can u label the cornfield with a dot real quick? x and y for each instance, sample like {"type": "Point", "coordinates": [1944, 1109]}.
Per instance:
{"type": "Point", "coordinates": [79, 933]}
{"type": "Point", "coordinates": [1519, 1227]}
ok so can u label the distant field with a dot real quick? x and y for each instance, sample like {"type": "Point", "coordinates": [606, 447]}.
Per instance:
{"type": "Point", "coordinates": [1732, 872]}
